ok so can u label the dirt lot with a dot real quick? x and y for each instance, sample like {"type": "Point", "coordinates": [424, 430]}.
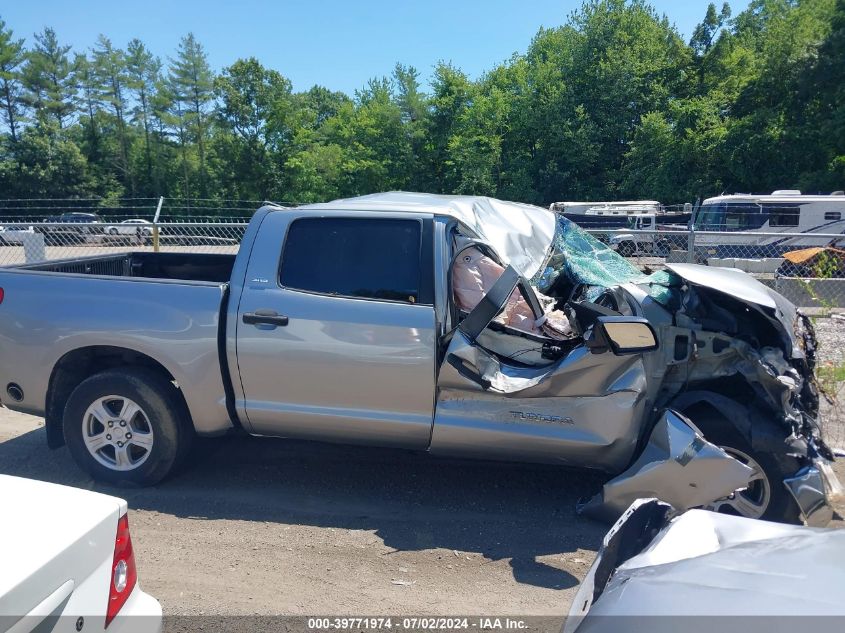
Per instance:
{"type": "Point", "coordinates": [261, 526]}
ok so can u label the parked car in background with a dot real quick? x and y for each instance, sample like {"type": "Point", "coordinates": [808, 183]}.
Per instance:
{"type": "Point", "coordinates": [72, 228]}
{"type": "Point", "coordinates": [14, 234]}
{"type": "Point", "coordinates": [703, 571]}
{"type": "Point", "coordinates": [67, 562]}
{"type": "Point", "coordinates": [454, 324]}
{"type": "Point", "coordinates": [143, 228]}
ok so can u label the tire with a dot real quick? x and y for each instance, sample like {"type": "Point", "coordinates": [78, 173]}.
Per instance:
{"type": "Point", "coordinates": [116, 444]}
{"type": "Point", "coordinates": [770, 498]}
{"type": "Point", "coordinates": [113, 231]}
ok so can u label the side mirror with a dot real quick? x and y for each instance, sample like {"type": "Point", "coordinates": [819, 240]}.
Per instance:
{"type": "Point", "coordinates": [622, 335]}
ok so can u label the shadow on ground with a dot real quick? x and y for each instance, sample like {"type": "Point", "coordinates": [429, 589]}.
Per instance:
{"type": "Point", "coordinates": [413, 501]}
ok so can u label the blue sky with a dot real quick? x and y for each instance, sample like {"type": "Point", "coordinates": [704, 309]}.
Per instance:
{"type": "Point", "coordinates": [339, 44]}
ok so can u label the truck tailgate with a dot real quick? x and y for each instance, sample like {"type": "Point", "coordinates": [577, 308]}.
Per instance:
{"type": "Point", "coordinates": [56, 548]}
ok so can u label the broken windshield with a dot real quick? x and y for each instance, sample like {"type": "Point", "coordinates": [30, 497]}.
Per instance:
{"type": "Point", "coordinates": [586, 261]}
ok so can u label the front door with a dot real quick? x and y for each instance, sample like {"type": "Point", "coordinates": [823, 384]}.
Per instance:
{"type": "Point", "coordinates": [336, 337]}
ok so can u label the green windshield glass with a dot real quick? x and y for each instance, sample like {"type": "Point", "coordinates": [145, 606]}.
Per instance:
{"type": "Point", "coordinates": [587, 261]}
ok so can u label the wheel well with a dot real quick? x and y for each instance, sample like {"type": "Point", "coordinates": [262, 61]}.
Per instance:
{"type": "Point", "coordinates": [756, 425]}
{"type": "Point", "coordinates": [79, 364]}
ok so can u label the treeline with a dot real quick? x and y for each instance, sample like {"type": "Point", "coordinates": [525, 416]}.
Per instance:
{"type": "Point", "coordinates": [613, 104]}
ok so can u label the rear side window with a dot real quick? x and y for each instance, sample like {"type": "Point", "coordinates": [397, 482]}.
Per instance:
{"type": "Point", "coordinates": [351, 257]}
{"type": "Point", "coordinates": [832, 215]}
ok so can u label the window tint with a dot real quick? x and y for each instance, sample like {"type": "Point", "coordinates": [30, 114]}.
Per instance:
{"type": "Point", "coordinates": [832, 215]}
{"type": "Point", "coordinates": [783, 216]}
{"type": "Point", "coordinates": [374, 259]}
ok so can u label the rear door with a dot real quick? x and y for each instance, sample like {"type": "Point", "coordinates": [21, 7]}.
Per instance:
{"type": "Point", "coordinates": [336, 329]}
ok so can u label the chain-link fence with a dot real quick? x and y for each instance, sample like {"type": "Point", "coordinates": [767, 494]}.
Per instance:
{"type": "Point", "coordinates": [34, 242]}
{"type": "Point", "coordinates": [807, 268]}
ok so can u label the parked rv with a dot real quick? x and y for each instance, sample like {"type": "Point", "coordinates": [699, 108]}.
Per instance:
{"type": "Point", "coordinates": [613, 215]}
{"type": "Point", "coordinates": [773, 219]}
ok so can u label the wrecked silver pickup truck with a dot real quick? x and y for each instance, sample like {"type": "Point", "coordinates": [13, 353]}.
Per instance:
{"type": "Point", "coordinates": [458, 325]}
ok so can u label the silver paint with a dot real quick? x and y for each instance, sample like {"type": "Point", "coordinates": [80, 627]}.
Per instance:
{"type": "Point", "coordinates": [677, 466]}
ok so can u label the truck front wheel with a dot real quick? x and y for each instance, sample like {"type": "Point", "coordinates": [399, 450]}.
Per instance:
{"type": "Point", "coordinates": [765, 497]}
{"type": "Point", "coordinates": [127, 427]}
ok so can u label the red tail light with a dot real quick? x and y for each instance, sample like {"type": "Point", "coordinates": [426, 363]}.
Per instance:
{"type": "Point", "coordinates": [124, 574]}
{"type": "Point", "coordinates": [2, 294]}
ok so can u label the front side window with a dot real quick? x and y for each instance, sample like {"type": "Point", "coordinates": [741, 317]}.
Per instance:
{"type": "Point", "coordinates": [784, 216]}
{"type": "Point", "coordinates": [352, 257]}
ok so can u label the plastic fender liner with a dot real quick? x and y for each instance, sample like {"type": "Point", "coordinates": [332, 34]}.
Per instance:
{"type": "Point", "coordinates": [756, 427]}
{"type": "Point", "coordinates": [677, 466]}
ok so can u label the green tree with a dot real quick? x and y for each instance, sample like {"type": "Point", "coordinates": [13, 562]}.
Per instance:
{"type": "Point", "coordinates": [192, 84]}
{"type": "Point", "coordinates": [11, 91]}
{"type": "Point", "coordinates": [452, 94]}
{"type": "Point", "coordinates": [48, 78]}
{"type": "Point", "coordinates": [143, 71]}
{"type": "Point", "coordinates": [254, 119]}
{"type": "Point", "coordinates": [109, 64]}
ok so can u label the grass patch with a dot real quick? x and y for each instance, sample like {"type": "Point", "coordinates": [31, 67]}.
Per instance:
{"type": "Point", "coordinates": [829, 376]}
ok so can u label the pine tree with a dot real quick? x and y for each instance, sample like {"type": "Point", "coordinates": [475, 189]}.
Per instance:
{"type": "Point", "coordinates": [48, 78]}
{"type": "Point", "coordinates": [192, 83]}
{"type": "Point", "coordinates": [143, 71]}
{"type": "Point", "coordinates": [11, 58]}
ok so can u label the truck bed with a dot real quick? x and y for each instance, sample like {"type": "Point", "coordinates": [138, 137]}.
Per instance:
{"type": "Point", "coordinates": [177, 266]}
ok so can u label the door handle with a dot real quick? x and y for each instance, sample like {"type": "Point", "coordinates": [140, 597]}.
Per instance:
{"type": "Point", "coordinates": [265, 317]}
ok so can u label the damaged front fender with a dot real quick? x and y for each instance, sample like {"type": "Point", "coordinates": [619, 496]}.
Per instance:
{"type": "Point", "coordinates": [677, 466]}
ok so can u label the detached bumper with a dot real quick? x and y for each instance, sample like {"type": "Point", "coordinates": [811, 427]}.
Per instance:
{"type": "Point", "coordinates": [814, 489]}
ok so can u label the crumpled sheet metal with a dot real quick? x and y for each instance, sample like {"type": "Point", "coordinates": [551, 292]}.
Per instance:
{"type": "Point", "coordinates": [498, 377]}
{"type": "Point", "coordinates": [809, 486]}
{"type": "Point", "coordinates": [677, 466]}
{"type": "Point", "coordinates": [709, 564]}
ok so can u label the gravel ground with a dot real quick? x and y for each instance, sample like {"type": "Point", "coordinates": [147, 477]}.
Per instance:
{"type": "Point", "coordinates": [262, 526]}
{"type": "Point", "coordinates": [830, 333]}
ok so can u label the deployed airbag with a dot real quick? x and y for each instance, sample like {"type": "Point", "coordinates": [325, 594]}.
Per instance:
{"type": "Point", "coordinates": [474, 274]}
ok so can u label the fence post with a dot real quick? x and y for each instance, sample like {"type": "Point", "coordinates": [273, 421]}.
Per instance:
{"type": "Point", "coordinates": [691, 244]}
{"type": "Point", "coordinates": [155, 224]}
{"type": "Point", "coordinates": [691, 226]}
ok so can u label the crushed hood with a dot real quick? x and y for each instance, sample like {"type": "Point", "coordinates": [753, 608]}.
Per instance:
{"type": "Point", "coordinates": [729, 281]}
{"type": "Point", "coordinates": [740, 285]}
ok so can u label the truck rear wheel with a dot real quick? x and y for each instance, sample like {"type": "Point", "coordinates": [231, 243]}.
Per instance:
{"type": "Point", "coordinates": [127, 427]}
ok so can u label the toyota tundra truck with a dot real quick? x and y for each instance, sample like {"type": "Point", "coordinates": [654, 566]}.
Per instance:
{"type": "Point", "coordinates": [340, 322]}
